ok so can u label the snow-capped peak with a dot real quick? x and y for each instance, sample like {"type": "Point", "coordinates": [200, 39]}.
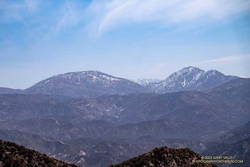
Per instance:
{"type": "Point", "coordinates": [85, 83]}
{"type": "Point", "coordinates": [189, 78]}
{"type": "Point", "coordinates": [187, 70]}
{"type": "Point", "coordinates": [85, 75]}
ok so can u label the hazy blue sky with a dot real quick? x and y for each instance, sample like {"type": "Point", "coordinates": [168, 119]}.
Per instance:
{"type": "Point", "coordinates": [127, 38]}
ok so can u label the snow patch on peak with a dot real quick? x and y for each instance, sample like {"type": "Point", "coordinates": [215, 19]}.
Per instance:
{"type": "Point", "coordinates": [107, 77]}
{"type": "Point", "coordinates": [82, 153]}
{"type": "Point", "coordinates": [214, 72]}
{"type": "Point", "coordinates": [197, 77]}
{"type": "Point", "coordinates": [183, 83]}
{"type": "Point", "coordinates": [147, 81]}
{"type": "Point", "coordinates": [189, 78]}
{"type": "Point", "coordinates": [190, 69]}
{"type": "Point", "coordinates": [92, 75]}
{"type": "Point", "coordinates": [47, 81]}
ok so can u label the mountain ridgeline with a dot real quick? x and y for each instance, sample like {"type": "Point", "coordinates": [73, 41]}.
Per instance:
{"type": "Point", "coordinates": [188, 78]}
{"type": "Point", "coordinates": [92, 119]}
{"type": "Point", "coordinates": [165, 157]}
{"type": "Point", "coordinates": [85, 84]}
{"type": "Point", "coordinates": [13, 155]}
{"type": "Point", "coordinates": [95, 83]}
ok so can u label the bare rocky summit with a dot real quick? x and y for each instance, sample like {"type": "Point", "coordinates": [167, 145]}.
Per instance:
{"type": "Point", "coordinates": [165, 157]}
{"type": "Point", "coordinates": [13, 155]}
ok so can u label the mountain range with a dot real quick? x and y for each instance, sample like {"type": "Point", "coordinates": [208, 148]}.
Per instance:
{"type": "Point", "coordinates": [85, 84]}
{"type": "Point", "coordinates": [188, 78]}
{"type": "Point", "coordinates": [95, 83]}
{"type": "Point", "coordinates": [94, 119]}
{"type": "Point", "coordinates": [13, 155]}
{"type": "Point", "coordinates": [132, 113]}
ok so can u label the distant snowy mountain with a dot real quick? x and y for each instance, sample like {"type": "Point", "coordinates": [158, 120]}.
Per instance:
{"type": "Point", "coordinates": [188, 78]}
{"type": "Point", "coordinates": [94, 83]}
{"type": "Point", "coordinates": [85, 84]}
{"type": "Point", "coordinates": [148, 83]}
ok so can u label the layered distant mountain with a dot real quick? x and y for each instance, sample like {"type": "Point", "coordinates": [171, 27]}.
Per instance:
{"type": "Point", "coordinates": [95, 83]}
{"type": "Point", "coordinates": [188, 78]}
{"type": "Point", "coordinates": [92, 152]}
{"type": "Point", "coordinates": [31, 141]}
{"type": "Point", "coordinates": [237, 134]}
{"type": "Point", "coordinates": [10, 91]}
{"type": "Point", "coordinates": [14, 155]}
{"type": "Point", "coordinates": [85, 84]}
{"type": "Point", "coordinates": [165, 157]}
{"type": "Point", "coordinates": [25, 106]}
{"type": "Point", "coordinates": [235, 143]}
{"type": "Point", "coordinates": [93, 119]}
{"type": "Point", "coordinates": [165, 115]}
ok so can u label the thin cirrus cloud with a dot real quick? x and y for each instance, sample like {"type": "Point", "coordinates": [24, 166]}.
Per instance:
{"type": "Point", "coordinates": [64, 14]}
{"type": "Point", "coordinates": [69, 15]}
{"type": "Point", "coordinates": [225, 60]}
{"type": "Point", "coordinates": [110, 14]}
{"type": "Point", "coordinates": [16, 10]}
{"type": "Point", "coordinates": [102, 16]}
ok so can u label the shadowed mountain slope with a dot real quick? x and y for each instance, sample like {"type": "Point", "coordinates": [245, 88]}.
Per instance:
{"type": "Point", "coordinates": [165, 157]}
{"type": "Point", "coordinates": [13, 155]}
{"type": "Point", "coordinates": [235, 143]}
{"type": "Point", "coordinates": [139, 114]}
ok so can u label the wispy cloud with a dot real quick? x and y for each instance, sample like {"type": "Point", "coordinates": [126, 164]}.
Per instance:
{"type": "Point", "coordinates": [65, 14]}
{"type": "Point", "coordinates": [17, 10]}
{"type": "Point", "coordinates": [101, 16]}
{"type": "Point", "coordinates": [68, 15]}
{"type": "Point", "coordinates": [224, 60]}
{"type": "Point", "coordinates": [114, 13]}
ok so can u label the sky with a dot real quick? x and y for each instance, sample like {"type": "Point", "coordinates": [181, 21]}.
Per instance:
{"type": "Point", "coordinates": [133, 39]}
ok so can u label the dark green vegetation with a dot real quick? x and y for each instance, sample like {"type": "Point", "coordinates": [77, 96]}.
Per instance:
{"type": "Point", "coordinates": [13, 155]}
{"type": "Point", "coordinates": [165, 157]}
